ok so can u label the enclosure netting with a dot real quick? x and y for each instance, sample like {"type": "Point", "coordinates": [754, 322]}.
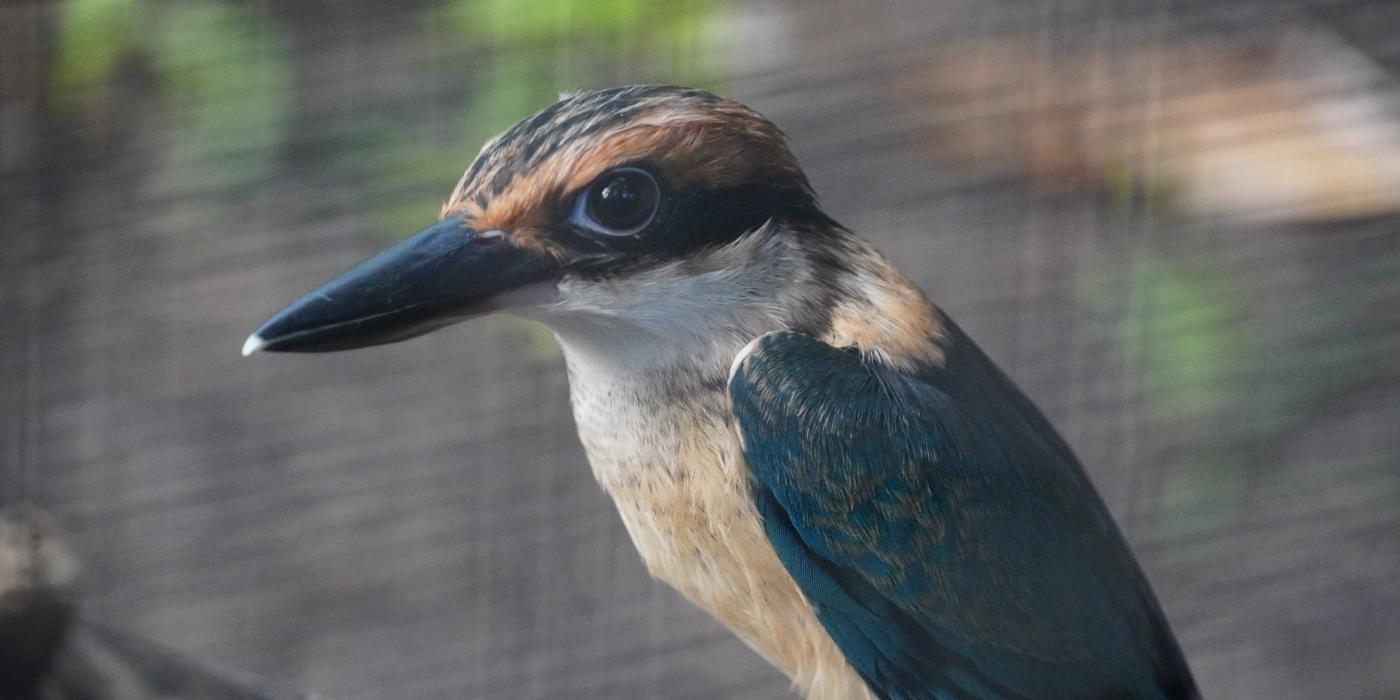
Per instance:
{"type": "Point", "coordinates": [1172, 223]}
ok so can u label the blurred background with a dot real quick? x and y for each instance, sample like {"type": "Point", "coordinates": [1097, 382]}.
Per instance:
{"type": "Point", "coordinates": [1172, 222]}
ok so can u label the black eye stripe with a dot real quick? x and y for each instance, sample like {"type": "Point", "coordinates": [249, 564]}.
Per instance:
{"type": "Point", "coordinates": [711, 217]}
{"type": "Point", "coordinates": [693, 219]}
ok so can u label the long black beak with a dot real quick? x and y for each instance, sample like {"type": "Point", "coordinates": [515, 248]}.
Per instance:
{"type": "Point", "coordinates": [441, 275]}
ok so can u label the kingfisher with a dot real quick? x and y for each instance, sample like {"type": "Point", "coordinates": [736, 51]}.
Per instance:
{"type": "Point", "coordinates": [795, 438]}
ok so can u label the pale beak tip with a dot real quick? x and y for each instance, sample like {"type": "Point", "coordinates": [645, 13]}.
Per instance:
{"type": "Point", "coordinates": [253, 344]}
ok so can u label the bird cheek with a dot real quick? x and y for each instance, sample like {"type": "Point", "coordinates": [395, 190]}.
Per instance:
{"type": "Point", "coordinates": [537, 295]}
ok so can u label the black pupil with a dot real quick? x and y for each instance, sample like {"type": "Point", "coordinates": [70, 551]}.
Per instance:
{"type": "Point", "coordinates": [624, 201]}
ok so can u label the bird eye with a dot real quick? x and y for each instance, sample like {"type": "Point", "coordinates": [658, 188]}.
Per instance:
{"type": "Point", "coordinates": [621, 202]}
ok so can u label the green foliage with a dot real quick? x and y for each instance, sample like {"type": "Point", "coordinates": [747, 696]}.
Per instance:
{"type": "Point", "coordinates": [1146, 193]}
{"type": "Point", "coordinates": [535, 23]}
{"type": "Point", "coordinates": [92, 39]}
{"type": "Point", "coordinates": [1182, 331]}
{"type": "Point", "coordinates": [513, 86]}
{"type": "Point", "coordinates": [228, 75]}
{"type": "Point", "coordinates": [1186, 333]}
{"type": "Point", "coordinates": [412, 175]}
{"type": "Point", "coordinates": [221, 67]}
{"type": "Point", "coordinates": [531, 50]}
{"type": "Point", "coordinates": [1238, 372]}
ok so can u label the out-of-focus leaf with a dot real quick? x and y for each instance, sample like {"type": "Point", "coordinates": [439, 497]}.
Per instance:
{"type": "Point", "coordinates": [410, 175]}
{"type": "Point", "coordinates": [226, 70]}
{"type": "Point", "coordinates": [91, 40]}
{"type": "Point", "coordinates": [544, 20]}
{"type": "Point", "coordinates": [1139, 190]}
{"type": "Point", "coordinates": [1185, 332]}
{"type": "Point", "coordinates": [511, 89]}
{"type": "Point", "coordinates": [669, 35]}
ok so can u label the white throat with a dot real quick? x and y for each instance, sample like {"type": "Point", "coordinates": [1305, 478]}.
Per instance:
{"type": "Point", "coordinates": [689, 315]}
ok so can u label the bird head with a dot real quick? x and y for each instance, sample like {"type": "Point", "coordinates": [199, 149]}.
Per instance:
{"type": "Point", "coordinates": [644, 217]}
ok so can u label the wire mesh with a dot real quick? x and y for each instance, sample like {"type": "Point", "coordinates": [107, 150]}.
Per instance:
{"type": "Point", "coordinates": [1173, 223]}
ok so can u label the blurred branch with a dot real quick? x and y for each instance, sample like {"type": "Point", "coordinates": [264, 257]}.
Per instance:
{"type": "Point", "coordinates": [47, 653]}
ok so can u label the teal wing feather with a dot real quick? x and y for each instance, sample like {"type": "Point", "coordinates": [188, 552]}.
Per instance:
{"type": "Point", "coordinates": [946, 536]}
